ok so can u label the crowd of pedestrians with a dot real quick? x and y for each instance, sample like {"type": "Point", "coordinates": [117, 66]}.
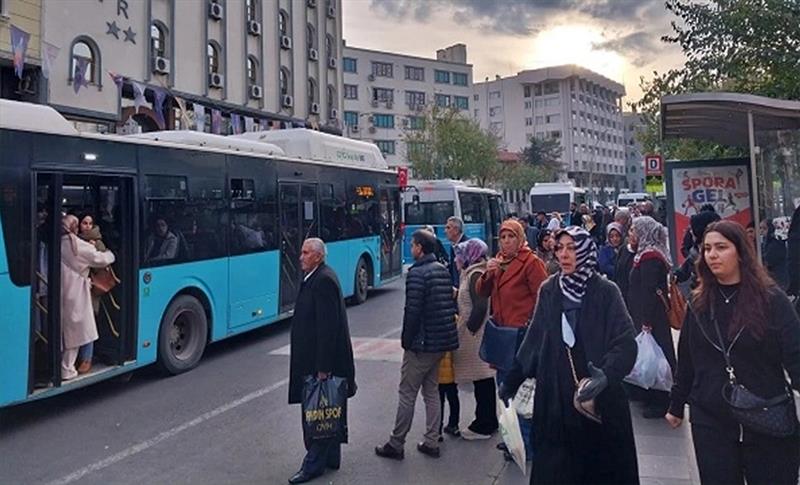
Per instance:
{"type": "Point", "coordinates": [562, 303]}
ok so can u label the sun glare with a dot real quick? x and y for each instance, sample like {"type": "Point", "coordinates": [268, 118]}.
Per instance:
{"type": "Point", "coordinates": [574, 44]}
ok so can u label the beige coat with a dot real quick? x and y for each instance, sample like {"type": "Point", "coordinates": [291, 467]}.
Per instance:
{"type": "Point", "coordinates": [468, 366]}
{"type": "Point", "coordinates": [78, 326]}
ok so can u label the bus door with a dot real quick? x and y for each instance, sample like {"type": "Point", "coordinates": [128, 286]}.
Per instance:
{"type": "Point", "coordinates": [299, 209]}
{"type": "Point", "coordinates": [110, 201]}
{"type": "Point", "coordinates": [493, 224]}
{"type": "Point", "coordinates": [391, 235]}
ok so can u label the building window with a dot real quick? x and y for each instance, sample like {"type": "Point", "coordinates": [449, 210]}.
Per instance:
{"type": "Point", "coordinates": [213, 58]}
{"type": "Point", "coordinates": [416, 122]}
{"type": "Point", "coordinates": [351, 118]}
{"type": "Point", "coordinates": [283, 81]}
{"type": "Point", "coordinates": [386, 146]}
{"type": "Point", "coordinates": [495, 111]}
{"type": "Point", "coordinates": [415, 98]}
{"type": "Point", "coordinates": [82, 52]}
{"type": "Point", "coordinates": [551, 87]}
{"type": "Point", "coordinates": [330, 46]}
{"type": "Point", "coordinates": [252, 70]}
{"type": "Point", "coordinates": [350, 91]}
{"type": "Point", "coordinates": [350, 64]}
{"type": "Point", "coordinates": [494, 95]}
{"type": "Point", "coordinates": [383, 94]}
{"type": "Point", "coordinates": [442, 100]}
{"type": "Point", "coordinates": [441, 77]}
{"type": "Point", "coordinates": [311, 36]}
{"type": "Point", "coordinates": [283, 22]}
{"type": "Point", "coordinates": [158, 40]}
{"type": "Point", "coordinates": [382, 69]}
{"type": "Point", "coordinates": [251, 10]}
{"type": "Point", "coordinates": [331, 99]}
{"type": "Point", "coordinates": [415, 73]}
{"type": "Point", "coordinates": [383, 121]}
{"type": "Point", "coordinates": [528, 104]}
{"type": "Point", "coordinates": [462, 102]}
{"type": "Point", "coordinates": [556, 118]}
{"type": "Point", "coordinates": [313, 96]}
{"type": "Point", "coordinates": [528, 121]}
{"type": "Point", "coordinates": [459, 79]}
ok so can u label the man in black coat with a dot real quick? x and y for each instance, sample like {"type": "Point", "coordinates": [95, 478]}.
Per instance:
{"type": "Point", "coordinates": [454, 230]}
{"type": "Point", "coordinates": [320, 347]}
{"type": "Point", "coordinates": [429, 330]}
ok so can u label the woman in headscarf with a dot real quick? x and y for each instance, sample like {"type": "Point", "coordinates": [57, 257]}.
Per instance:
{"type": "Point", "coordinates": [512, 280]}
{"type": "Point", "coordinates": [651, 265]}
{"type": "Point", "coordinates": [545, 244]}
{"type": "Point", "coordinates": [579, 347]}
{"type": "Point", "coordinates": [607, 257]}
{"type": "Point", "coordinates": [473, 311]}
{"type": "Point", "coordinates": [78, 326]}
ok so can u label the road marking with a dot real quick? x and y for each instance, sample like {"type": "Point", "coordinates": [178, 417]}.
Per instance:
{"type": "Point", "coordinates": [390, 332]}
{"type": "Point", "coordinates": [144, 445]}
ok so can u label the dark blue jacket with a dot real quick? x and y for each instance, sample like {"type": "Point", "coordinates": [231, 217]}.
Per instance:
{"type": "Point", "coordinates": [607, 260]}
{"type": "Point", "coordinates": [429, 319]}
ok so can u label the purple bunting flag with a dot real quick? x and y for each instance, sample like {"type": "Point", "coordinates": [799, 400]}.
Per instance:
{"type": "Point", "coordinates": [248, 123]}
{"type": "Point", "coordinates": [48, 58]}
{"type": "Point", "coordinates": [79, 79]}
{"type": "Point", "coordinates": [159, 95]}
{"type": "Point", "coordinates": [236, 123]}
{"type": "Point", "coordinates": [216, 121]}
{"type": "Point", "coordinates": [264, 125]}
{"type": "Point", "coordinates": [138, 95]}
{"type": "Point", "coordinates": [19, 45]}
{"type": "Point", "coordinates": [200, 117]}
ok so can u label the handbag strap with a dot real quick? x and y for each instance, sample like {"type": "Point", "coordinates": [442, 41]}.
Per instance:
{"type": "Point", "coordinates": [572, 365]}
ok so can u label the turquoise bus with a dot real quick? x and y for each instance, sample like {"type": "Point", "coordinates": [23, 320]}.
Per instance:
{"type": "Point", "coordinates": [431, 202]}
{"type": "Point", "coordinates": [239, 209]}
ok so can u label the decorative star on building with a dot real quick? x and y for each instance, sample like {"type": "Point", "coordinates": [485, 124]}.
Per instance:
{"type": "Point", "coordinates": [130, 35]}
{"type": "Point", "coordinates": [113, 29]}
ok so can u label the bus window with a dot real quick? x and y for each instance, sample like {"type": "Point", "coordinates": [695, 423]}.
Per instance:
{"type": "Point", "coordinates": [550, 203]}
{"type": "Point", "coordinates": [332, 207]}
{"type": "Point", "coordinates": [434, 213]}
{"type": "Point", "coordinates": [363, 218]}
{"type": "Point", "coordinates": [473, 207]}
{"type": "Point", "coordinates": [252, 220]}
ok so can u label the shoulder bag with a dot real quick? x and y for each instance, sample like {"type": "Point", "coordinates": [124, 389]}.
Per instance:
{"type": "Point", "coordinates": [772, 417]}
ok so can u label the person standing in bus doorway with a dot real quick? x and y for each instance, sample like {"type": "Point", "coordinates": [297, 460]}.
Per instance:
{"type": "Point", "coordinates": [320, 347]}
{"type": "Point", "coordinates": [454, 230]}
{"type": "Point", "coordinates": [78, 326]}
{"type": "Point", "coordinates": [429, 330]}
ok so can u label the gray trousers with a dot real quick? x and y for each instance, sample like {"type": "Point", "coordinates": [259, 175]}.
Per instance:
{"type": "Point", "coordinates": [419, 370]}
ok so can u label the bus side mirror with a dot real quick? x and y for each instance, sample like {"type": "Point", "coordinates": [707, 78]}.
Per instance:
{"type": "Point", "coordinates": [415, 200]}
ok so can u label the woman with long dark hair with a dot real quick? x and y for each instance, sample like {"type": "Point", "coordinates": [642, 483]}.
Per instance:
{"type": "Point", "coordinates": [740, 326]}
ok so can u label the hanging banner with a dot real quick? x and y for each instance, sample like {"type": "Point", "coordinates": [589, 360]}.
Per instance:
{"type": "Point", "coordinates": [138, 95]}
{"type": "Point", "coordinates": [248, 123]}
{"type": "Point", "coordinates": [49, 55]}
{"type": "Point", "coordinates": [263, 125]}
{"type": "Point", "coordinates": [723, 184]}
{"type": "Point", "coordinates": [236, 123]}
{"type": "Point", "coordinates": [79, 79]}
{"type": "Point", "coordinates": [159, 95]}
{"type": "Point", "coordinates": [19, 46]}
{"type": "Point", "coordinates": [199, 117]}
{"type": "Point", "coordinates": [216, 121]}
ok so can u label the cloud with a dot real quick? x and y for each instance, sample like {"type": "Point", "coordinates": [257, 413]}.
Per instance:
{"type": "Point", "coordinates": [637, 47]}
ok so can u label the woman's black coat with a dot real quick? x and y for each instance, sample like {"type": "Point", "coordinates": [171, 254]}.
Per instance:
{"type": "Point", "coordinates": [607, 337]}
{"type": "Point", "coordinates": [320, 340]}
{"type": "Point", "coordinates": [646, 307]}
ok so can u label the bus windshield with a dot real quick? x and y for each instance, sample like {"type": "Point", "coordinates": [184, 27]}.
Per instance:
{"type": "Point", "coordinates": [435, 213]}
{"type": "Point", "coordinates": [550, 202]}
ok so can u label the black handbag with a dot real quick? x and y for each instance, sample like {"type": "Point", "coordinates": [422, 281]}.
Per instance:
{"type": "Point", "coordinates": [772, 417]}
{"type": "Point", "coordinates": [499, 345]}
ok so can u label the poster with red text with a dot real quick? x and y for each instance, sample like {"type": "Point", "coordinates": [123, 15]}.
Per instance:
{"type": "Point", "coordinates": [723, 184]}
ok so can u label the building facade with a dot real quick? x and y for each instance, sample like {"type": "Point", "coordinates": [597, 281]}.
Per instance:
{"type": "Point", "coordinates": [579, 108]}
{"type": "Point", "coordinates": [260, 63]}
{"type": "Point", "coordinates": [386, 94]}
{"type": "Point", "coordinates": [634, 157]}
{"type": "Point", "coordinates": [26, 16]}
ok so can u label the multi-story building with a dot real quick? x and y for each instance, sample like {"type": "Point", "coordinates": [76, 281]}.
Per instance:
{"type": "Point", "coordinates": [634, 158]}
{"type": "Point", "coordinates": [579, 108]}
{"type": "Point", "coordinates": [386, 94]}
{"type": "Point", "coordinates": [24, 15]}
{"type": "Point", "coordinates": [266, 63]}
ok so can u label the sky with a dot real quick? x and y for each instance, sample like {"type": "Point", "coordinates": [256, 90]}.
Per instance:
{"type": "Point", "coordinates": [617, 38]}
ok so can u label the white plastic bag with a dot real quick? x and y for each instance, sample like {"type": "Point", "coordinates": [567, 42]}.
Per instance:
{"type": "Point", "coordinates": [664, 375]}
{"type": "Point", "coordinates": [645, 370]}
{"type": "Point", "coordinates": [512, 435]}
{"type": "Point", "coordinates": [523, 399]}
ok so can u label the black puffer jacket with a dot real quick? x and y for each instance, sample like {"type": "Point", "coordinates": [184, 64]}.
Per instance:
{"type": "Point", "coordinates": [429, 319]}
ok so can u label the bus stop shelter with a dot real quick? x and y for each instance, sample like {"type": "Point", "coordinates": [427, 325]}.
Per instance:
{"type": "Point", "coordinates": [768, 128]}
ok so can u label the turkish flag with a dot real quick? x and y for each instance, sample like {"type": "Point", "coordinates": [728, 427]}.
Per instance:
{"type": "Point", "coordinates": [402, 177]}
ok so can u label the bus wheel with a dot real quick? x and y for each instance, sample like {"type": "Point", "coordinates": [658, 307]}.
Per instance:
{"type": "Point", "coordinates": [361, 283]}
{"type": "Point", "coordinates": [183, 334]}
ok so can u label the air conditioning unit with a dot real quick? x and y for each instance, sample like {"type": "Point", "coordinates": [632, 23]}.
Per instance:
{"type": "Point", "coordinates": [314, 109]}
{"type": "Point", "coordinates": [286, 42]}
{"type": "Point", "coordinates": [215, 80]}
{"type": "Point", "coordinates": [405, 122]}
{"type": "Point", "coordinates": [161, 65]}
{"type": "Point", "coordinates": [374, 103]}
{"type": "Point", "coordinates": [354, 129]}
{"type": "Point", "coordinates": [370, 118]}
{"type": "Point", "coordinates": [215, 10]}
{"type": "Point", "coordinates": [389, 105]}
{"type": "Point", "coordinates": [332, 62]}
{"type": "Point", "coordinates": [334, 114]}
{"type": "Point", "coordinates": [311, 3]}
{"type": "Point", "coordinates": [253, 27]}
{"type": "Point", "coordinates": [372, 129]}
{"type": "Point", "coordinates": [256, 92]}
{"type": "Point", "coordinates": [331, 11]}
{"type": "Point", "coordinates": [313, 55]}
{"type": "Point", "coordinates": [371, 77]}
{"type": "Point", "coordinates": [287, 101]}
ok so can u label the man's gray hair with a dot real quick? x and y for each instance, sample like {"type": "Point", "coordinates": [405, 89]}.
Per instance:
{"type": "Point", "coordinates": [318, 245]}
{"type": "Point", "coordinates": [458, 222]}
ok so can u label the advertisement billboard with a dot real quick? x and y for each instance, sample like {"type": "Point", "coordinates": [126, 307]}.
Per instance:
{"type": "Point", "coordinates": [724, 184]}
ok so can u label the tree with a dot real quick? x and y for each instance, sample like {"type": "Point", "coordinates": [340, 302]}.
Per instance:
{"type": "Point", "coordinates": [540, 161]}
{"type": "Point", "coordinates": [746, 46]}
{"type": "Point", "coordinates": [442, 143]}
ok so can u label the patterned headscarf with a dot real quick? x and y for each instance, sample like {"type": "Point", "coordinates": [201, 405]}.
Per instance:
{"type": "Point", "coordinates": [471, 251]}
{"type": "Point", "coordinates": [652, 236]}
{"type": "Point", "coordinates": [573, 286]}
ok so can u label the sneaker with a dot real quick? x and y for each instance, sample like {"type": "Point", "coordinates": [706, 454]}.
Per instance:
{"type": "Point", "coordinates": [428, 450]}
{"type": "Point", "coordinates": [452, 430]}
{"type": "Point", "coordinates": [470, 435]}
{"type": "Point", "coordinates": [389, 451]}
